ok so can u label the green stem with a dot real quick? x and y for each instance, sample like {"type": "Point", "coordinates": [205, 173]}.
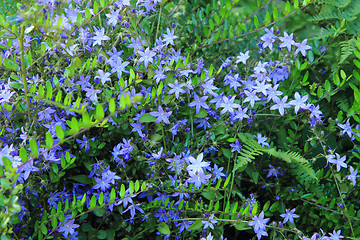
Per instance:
{"type": "Point", "coordinates": [23, 72]}
{"type": "Point", "coordinates": [158, 25]}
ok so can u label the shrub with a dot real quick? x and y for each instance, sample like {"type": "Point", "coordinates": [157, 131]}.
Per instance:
{"type": "Point", "coordinates": [134, 119]}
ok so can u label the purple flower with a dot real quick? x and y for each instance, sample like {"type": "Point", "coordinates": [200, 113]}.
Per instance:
{"type": "Point", "coordinates": [243, 57]}
{"type": "Point", "coordinates": [338, 161]}
{"type": "Point", "coordinates": [289, 216]}
{"type": "Point", "coordinates": [198, 178]}
{"type": "Point", "coordinates": [132, 209]}
{"type": "Point", "coordinates": [136, 44]}
{"type": "Point", "coordinates": [236, 146]}
{"type": "Point", "coordinates": [159, 74]}
{"type": "Point", "coordinates": [5, 96]}
{"type": "Point", "coordinates": [261, 87]}
{"type": "Point", "coordinates": [272, 171]}
{"type": "Point", "coordinates": [113, 17]}
{"type": "Point", "coordinates": [273, 93]}
{"type": "Point", "coordinates": [161, 115]}
{"type": "Point", "coordinates": [268, 38]}
{"type": "Point", "coordinates": [299, 102]}
{"type": "Point", "coordinates": [262, 140]}
{"type": "Point", "coordinates": [208, 87]}
{"type": "Point", "coordinates": [241, 114]}
{"type": "Point", "coordinates": [251, 97]}
{"type": "Point", "coordinates": [118, 66]}
{"type": "Point", "coordinates": [209, 223]}
{"type": "Point", "coordinates": [68, 228]}
{"type": "Point", "coordinates": [347, 128]}
{"type": "Point", "coordinates": [99, 36]}
{"type": "Point", "coordinates": [259, 222]}
{"type": "Point", "coordinates": [229, 105]}
{"type": "Point", "coordinates": [169, 37]}
{"type": "Point", "coordinates": [176, 88]}
{"type": "Point", "coordinates": [197, 164]}
{"type": "Point", "coordinates": [103, 76]}
{"type": "Point", "coordinates": [108, 177]}
{"type": "Point", "coordinates": [281, 105]}
{"type": "Point", "coordinates": [84, 143]}
{"type": "Point", "coordinates": [353, 175]}
{"type": "Point", "coordinates": [217, 173]}
{"type": "Point", "coordinates": [46, 114]}
{"type": "Point", "coordinates": [199, 102]}
{"type": "Point", "coordinates": [302, 47]}
{"type": "Point", "coordinates": [287, 41]}
{"type": "Point", "coordinates": [335, 235]}
{"type": "Point", "coordinates": [146, 56]}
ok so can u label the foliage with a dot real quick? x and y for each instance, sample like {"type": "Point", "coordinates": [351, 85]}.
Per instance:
{"type": "Point", "coordinates": [178, 119]}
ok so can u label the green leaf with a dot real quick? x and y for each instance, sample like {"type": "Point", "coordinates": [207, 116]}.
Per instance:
{"type": "Point", "coordinates": [112, 106]}
{"type": "Point", "coordinates": [49, 140]}
{"type": "Point", "coordinates": [17, 85]}
{"type": "Point", "coordinates": [99, 112]}
{"type": "Point", "coordinates": [122, 190]}
{"type": "Point", "coordinates": [60, 132]}
{"type": "Point", "coordinates": [87, 13]}
{"type": "Point", "coordinates": [202, 113]}
{"type": "Point", "coordinates": [34, 147]}
{"type": "Point", "coordinates": [342, 74]}
{"type": "Point", "coordinates": [54, 222]}
{"type": "Point", "coordinates": [43, 229]}
{"type": "Point", "coordinates": [23, 154]}
{"type": "Point", "coordinates": [160, 88]}
{"type": "Point", "coordinates": [112, 195]}
{"type": "Point", "coordinates": [211, 69]}
{"type": "Point", "coordinates": [147, 118]}
{"type": "Point", "coordinates": [164, 229]}
{"type": "Point", "coordinates": [195, 226]}
{"type": "Point", "coordinates": [275, 13]}
{"type": "Point", "coordinates": [137, 186]}
{"type": "Point", "coordinates": [131, 187]}
{"type": "Point", "coordinates": [101, 198]}
{"type": "Point", "coordinates": [96, 7]}
{"type": "Point", "coordinates": [227, 181]}
{"type": "Point", "coordinates": [92, 202]}
{"type": "Point", "coordinates": [256, 22]}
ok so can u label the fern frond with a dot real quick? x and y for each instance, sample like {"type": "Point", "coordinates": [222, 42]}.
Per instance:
{"type": "Point", "coordinates": [323, 34]}
{"type": "Point", "coordinates": [251, 149]}
{"type": "Point", "coordinates": [347, 48]}
{"type": "Point", "coordinates": [326, 16]}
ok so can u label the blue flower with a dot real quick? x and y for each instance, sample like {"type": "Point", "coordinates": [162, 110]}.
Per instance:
{"type": "Point", "coordinates": [289, 216]}
{"type": "Point", "coordinates": [161, 115]}
{"type": "Point", "coordinates": [68, 228]}
{"type": "Point", "coordinates": [259, 223]}
{"type": "Point", "coordinates": [236, 146]}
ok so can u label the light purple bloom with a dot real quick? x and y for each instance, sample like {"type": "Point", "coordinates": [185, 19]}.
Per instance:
{"type": "Point", "coordinates": [176, 88]}
{"type": "Point", "coordinates": [199, 102]}
{"type": "Point", "coordinates": [302, 47]}
{"type": "Point", "coordinates": [161, 115]}
{"type": "Point", "coordinates": [259, 222]}
{"type": "Point", "coordinates": [169, 37]}
{"type": "Point", "coordinates": [289, 216]}
{"type": "Point", "coordinates": [339, 161]}
{"type": "Point", "coordinates": [287, 41]}
{"type": "Point", "coordinates": [99, 36]}
{"type": "Point", "coordinates": [229, 105]}
{"type": "Point", "coordinates": [281, 105]}
{"type": "Point", "coordinates": [299, 102]}
{"type": "Point", "coordinates": [243, 57]}
{"type": "Point", "coordinates": [198, 178]}
{"type": "Point", "coordinates": [197, 164]}
{"type": "Point", "coordinates": [146, 57]}
{"type": "Point", "coordinates": [353, 175]}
